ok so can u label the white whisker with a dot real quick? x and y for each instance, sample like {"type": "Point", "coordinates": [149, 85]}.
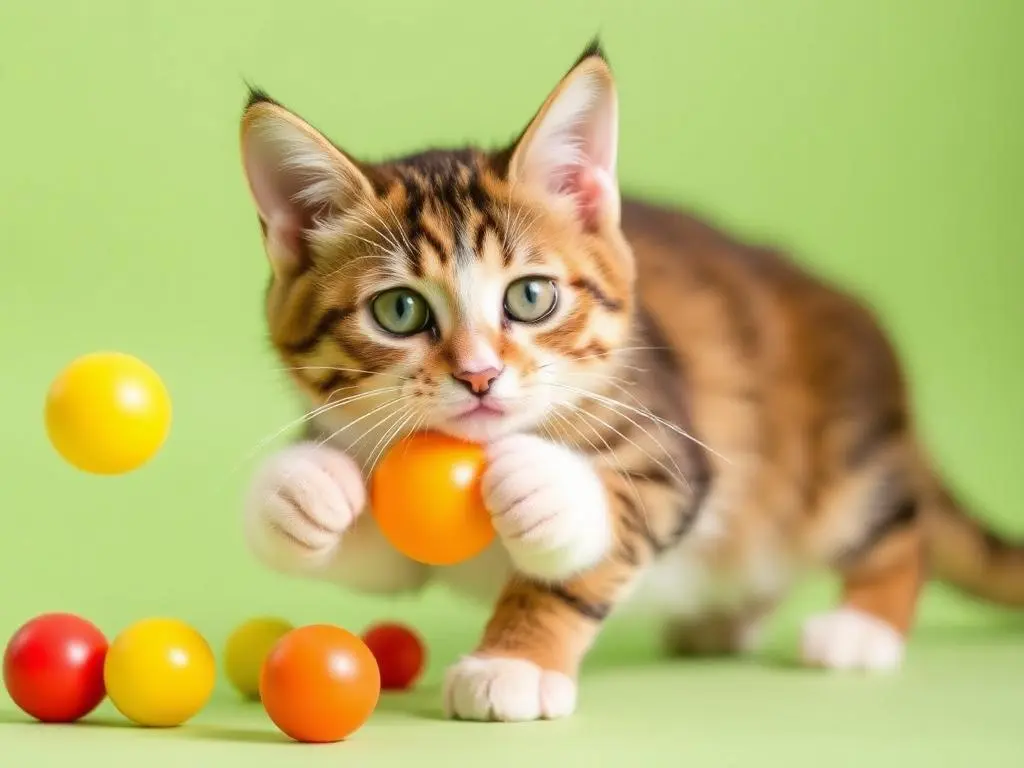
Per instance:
{"type": "Point", "coordinates": [339, 369]}
{"type": "Point", "coordinates": [327, 406]}
{"type": "Point", "coordinates": [645, 413]}
{"type": "Point", "coordinates": [622, 470]}
{"type": "Point", "coordinates": [677, 475]}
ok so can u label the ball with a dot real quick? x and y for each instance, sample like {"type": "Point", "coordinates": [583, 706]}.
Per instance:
{"type": "Point", "coordinates": [107, 413]}
{"type": "Point", "coordinates": [53, 667]}
{"type": "Point", "coordinates": [399, 652]}
{"type": "Point", "coordinates": [320, 684]}
{"type": "Point", "coordinates": [246, 650]}
{"type": "Point", "coordinates": [426, 498]}
{"type": "Point", "coordinates": [159, 672]}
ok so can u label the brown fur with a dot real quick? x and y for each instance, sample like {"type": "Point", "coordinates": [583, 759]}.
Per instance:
{"type": "Point", "coordinates": [794, 393]}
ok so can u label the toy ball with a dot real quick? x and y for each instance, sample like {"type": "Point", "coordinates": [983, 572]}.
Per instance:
{"type": "Point", "coordinates": [320, 684]}
{"type": "Point", "coordinates": [246, 650]}
{"type": "Point", "coordinates": [53, 667]}
{"type": "Point", "coordinates": [399, 653]}
{"type": "Point", "coordinates": [159, 672]}
{"type": "Point", "coordinates": [107, 413]}
{"type": "Point", "coordinates": [425, 496]}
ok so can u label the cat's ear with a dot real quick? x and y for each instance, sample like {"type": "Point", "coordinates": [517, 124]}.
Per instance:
{"type": "Point", "coordinates": [296, 177]}
{"type": "Point", "coordinates": [570, 147]}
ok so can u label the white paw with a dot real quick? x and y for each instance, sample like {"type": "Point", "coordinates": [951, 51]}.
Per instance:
{"type": "Point", "coordinates": [508, 690]}
{"type": "Point", "coordinates": [300, 503]}
{"type": "Point", "coordinates": [548, 506]}
{"type": "Point", "coordinates": [847, 638]}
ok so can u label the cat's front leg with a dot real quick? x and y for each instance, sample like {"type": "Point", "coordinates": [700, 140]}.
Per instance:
{"type": "Point", "coordinates": [548, 505]}
{"type": "Point", "coordinates": [306, 516]}
{"type": "Point", "coordinates": [560, 520]}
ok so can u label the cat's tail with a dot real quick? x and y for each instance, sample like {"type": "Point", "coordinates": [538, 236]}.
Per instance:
{"type": "Point", "coordinates": [967, 554]}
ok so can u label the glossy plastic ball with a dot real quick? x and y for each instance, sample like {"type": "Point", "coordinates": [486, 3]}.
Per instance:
{"type": "Point", "coordinates": [107, 413]}
{"type": "Point", "coordinates": [246, 650]}
{"type": "Point", "coordinates": [400, 654]}
{"type": "Point", "coordinates": [426, 498]}
{"type": "Point", "coordinates": [320, 684]}
{"type": "Point", "coordinates": [159, 672]}
{"type": "Point", "coordinates": [53, 667]}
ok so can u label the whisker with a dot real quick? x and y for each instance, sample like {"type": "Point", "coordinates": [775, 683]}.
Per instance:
{"type": "Point", "coordinates": [389, 236]}
{"type": "Point", "coordinates": [385, 441]}
{"type": "Point", "coordinates": [645, 413]}
{"type": "Point", "coordinates": [327, 406]}
{"type": "Point", "coordinates": [677, 475]}
{"type": "Point", "coordinates": [401, 229]}
{"type": "Point", "coordinates": [339, 369]}
{"type": "Point", "coordinates": [398, 411]}
{"type": "Point", "coordinates": [622, 470]}
{"type": "Point", "coordinates": [352, 423]}
{"type": "Point", "coordinates": [350, 263]}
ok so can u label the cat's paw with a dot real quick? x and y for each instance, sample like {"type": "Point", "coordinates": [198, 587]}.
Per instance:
{"type": "Point", "coordinates": [300, 503]}
{"type": "Point", "coordinates": [847, 638]}
{"type": "Point", "coordinates": [548, 506]}
{"type": "Point", "coordinates": [507, 690]}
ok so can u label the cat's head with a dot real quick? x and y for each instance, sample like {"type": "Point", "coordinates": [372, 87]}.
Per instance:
{"type": "Point", "coordinates": [467, 291]}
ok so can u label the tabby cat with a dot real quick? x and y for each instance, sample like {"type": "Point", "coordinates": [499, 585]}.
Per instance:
{"type": "Point", "coordinates": [672, 418]}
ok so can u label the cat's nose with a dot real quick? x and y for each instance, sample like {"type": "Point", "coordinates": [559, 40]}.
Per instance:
{"type": "Point", "coordinates": [478, 382]}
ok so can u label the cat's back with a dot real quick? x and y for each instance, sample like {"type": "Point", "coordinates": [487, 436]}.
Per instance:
{"type": "Point", "coordinates": [750, 321]}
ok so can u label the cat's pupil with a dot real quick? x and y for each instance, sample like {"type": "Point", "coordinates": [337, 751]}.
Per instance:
{"type": "Point", "coordinates": [532, 292]}
{"type": "Point", "coordinates": [403, 306]}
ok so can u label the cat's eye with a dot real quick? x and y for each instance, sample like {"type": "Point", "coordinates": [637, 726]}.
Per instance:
{"type": "Point", "coordinates": [401, 311]}
{"type": "Point", "coordinates": [531, 299]}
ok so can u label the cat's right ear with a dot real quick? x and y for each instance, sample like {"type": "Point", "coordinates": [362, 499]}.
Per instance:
{"type": "Point", "coordinates": [296, 177]}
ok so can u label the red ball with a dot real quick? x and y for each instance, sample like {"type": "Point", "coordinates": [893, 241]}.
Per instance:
{"type": "Point", "coordinates": [53, 667]}
{"type": "Point", "coordinates": [399, 652]}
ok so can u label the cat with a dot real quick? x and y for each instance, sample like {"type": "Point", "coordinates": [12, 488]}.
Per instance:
{"type": "Point", "coordinates": [672, 418]}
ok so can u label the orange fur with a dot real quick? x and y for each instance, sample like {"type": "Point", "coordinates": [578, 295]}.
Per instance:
{"type": "Point", "coordinates": [741, 414]}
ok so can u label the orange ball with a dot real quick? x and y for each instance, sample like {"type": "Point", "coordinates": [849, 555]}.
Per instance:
{"type": "Point", "coordinates": [425, 496]}
{"type": "Point", "coordinates": [320, 683]}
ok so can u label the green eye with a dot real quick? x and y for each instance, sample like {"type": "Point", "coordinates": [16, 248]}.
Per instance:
{"type": "Point", "coordinates": [531, 299]}
{"type": "Point", "coordinates": [401, 311]}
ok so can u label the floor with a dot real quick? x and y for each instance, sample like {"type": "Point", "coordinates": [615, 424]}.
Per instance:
{"type": "Point", "coordinates": [958, 702]}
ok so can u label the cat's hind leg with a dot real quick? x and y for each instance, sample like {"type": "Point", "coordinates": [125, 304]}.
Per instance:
{"type": "Point", "coordinates": [880, 560]}
{"type": "Point", "coordinates": [718, 632]}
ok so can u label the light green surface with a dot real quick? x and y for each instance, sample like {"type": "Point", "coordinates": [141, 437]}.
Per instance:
{"type": "Point", "coordinates": [882, 140]}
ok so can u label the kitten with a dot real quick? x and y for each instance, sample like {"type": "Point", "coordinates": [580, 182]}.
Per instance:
{"type": "Point", "coordinates": [671, 416]}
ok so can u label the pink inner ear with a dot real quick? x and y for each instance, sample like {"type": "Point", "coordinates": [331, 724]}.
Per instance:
{"type": "Point", "coordinates": [589, 193]}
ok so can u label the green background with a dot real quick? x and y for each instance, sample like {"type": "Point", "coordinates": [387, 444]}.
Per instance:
{"type": "Point", "coordinates": [880, 139]}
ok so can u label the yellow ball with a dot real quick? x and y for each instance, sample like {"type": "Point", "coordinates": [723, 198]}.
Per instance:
{"type": "Point", "coordinates": [107, 413]}
{"type": "Point", "coordinates": [159, 672]}
{"type": "Point", "coordinates": [247, 648]}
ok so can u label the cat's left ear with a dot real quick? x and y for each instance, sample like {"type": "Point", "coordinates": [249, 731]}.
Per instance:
{"type": "Point", "coordinates": [569, 149]}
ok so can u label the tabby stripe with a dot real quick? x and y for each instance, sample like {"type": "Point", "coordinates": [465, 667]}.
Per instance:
{"type": "Point", "coordinates": [424, 233]}
{"type": "Point", "coordinates": [878, 434]}
{"type": "Point", "coordinates": [898, 518]}
{"type": "Point", "coordinates": [324, 326]}
{"type": "Point", "coordinates": [636, 522]}
{"type": "Point", "coordinates": [332, 382]}
{"type": "Point", "coordinates": [650, 475]}
{"type": "Point", "coordinates": [478, 239]}
{"type": "Point", "coordinates": [602, 298]}
{"type": "Point", "coordinates": [598, 611]}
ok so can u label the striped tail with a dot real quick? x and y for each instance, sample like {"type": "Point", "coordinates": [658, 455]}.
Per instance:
{"type": "Point", "coordinates": [968, 555]}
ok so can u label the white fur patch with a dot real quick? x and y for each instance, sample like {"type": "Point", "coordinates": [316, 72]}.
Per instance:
{"type": "Point", "coordinates": [509, 690]}
{"type": "Point", "coordinates": [299, 504]}
{"type": "Point", "coordinates": [548, 506]}
{"type": "Point", "coordinates": [847, 638]}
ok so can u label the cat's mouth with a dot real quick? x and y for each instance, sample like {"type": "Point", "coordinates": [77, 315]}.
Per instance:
{"type": "Point", "coordinates": [483, 408]}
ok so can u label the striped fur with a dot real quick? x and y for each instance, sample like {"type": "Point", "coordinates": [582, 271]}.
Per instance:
{"type": "Point", "coordinates": [747, 422]}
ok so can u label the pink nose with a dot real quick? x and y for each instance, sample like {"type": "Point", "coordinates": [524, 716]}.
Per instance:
{"type": "Point", "coordinates": [477, 382]}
